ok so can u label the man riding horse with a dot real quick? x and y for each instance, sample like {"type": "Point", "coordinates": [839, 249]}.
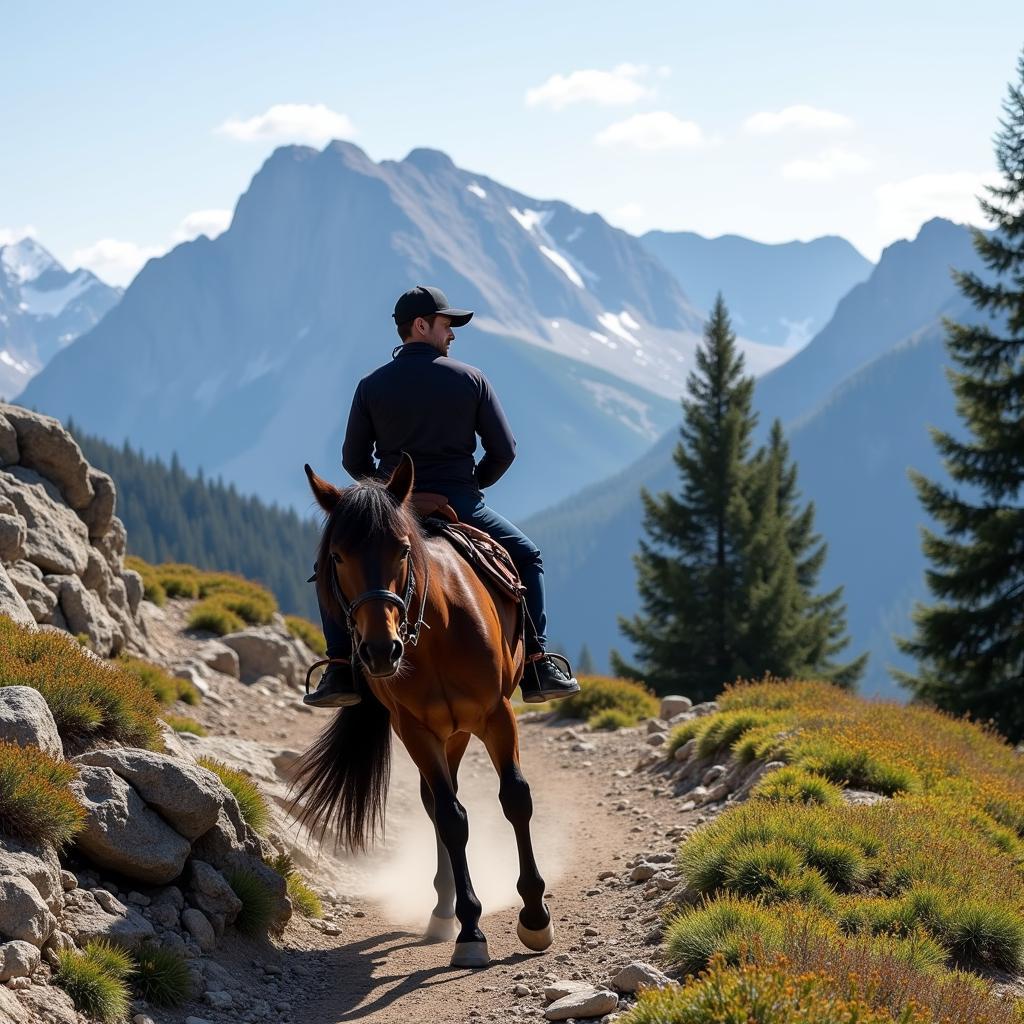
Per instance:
{"type": "Point", "coordinates": [434, 407]}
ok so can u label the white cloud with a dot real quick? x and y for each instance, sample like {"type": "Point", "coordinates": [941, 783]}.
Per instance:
{"type": "Point", "coordinates": [657, 130]}
{"type": "Point", "coordinates": [828, 164]}
{"type": "Point", "coordinates": [202, 222]}
{"type": "Point", "coordinates": [114, 261]}
{"type": "Point", "coordinates": [8, 236]}
{"type": "Point", "coordinates": [291, 122]}
{"type": "Point", "coordinates": [799, 117]}
{"type": "Point", "coordinates": [903, 206]}
{"type": "Point", "coordinates": [610, 88]}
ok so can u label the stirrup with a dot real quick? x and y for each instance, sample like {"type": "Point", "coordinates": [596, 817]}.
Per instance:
{"type": "Point", "coordinates": [325, 661]}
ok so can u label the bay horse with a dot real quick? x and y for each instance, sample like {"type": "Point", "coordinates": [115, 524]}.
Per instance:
{"type": "Point", "coordinates": [379, 568]}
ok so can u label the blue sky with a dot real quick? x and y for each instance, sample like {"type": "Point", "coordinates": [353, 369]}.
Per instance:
{"type": "Point", "coordinates": [126, 128]}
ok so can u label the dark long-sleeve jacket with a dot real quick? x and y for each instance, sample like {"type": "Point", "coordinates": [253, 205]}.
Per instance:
{"type": "Point", "coordinates": [432, 407]}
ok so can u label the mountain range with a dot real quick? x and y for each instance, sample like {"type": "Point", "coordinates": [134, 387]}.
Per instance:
{"type": "Point", "coordinates": [241, 353]}
{"type": "Point", "coordinates": [780, 294]}
{"type": "Point", "coordinates": [43, 308]}
{"type": "Point", "coordinates": [856, 404]}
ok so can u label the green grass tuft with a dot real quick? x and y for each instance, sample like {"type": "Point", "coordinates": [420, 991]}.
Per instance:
{"type": "Point", "coordinates": [304, 899]}
{"type": "Point", "coordinates": [213, 616]}
{"type": "Point", "coordinates": [257, 902]}
{"type": "Point", "coordinates": [729, 926]}
{"type": "Point", "coordinates": [796, 785]}
{"type": "Point", "coordinates": [163, 977]}
{"type": "Point", "coordinates": [309, 633]}
{"type": "Point", "coordinates": [92, 989]}
{"type": "Point", "coordinates": [603, 693]}
{"type": "Point", "coordinates": [35, 802]}
{"type": "Point", "coordinates": [182, 723]}
{"type": "Point", "coordinates": [251, 801]}
{"type": "Point", "coordinates": [92, 702]}
{"type": "Point", "coordinates": [610, 720]}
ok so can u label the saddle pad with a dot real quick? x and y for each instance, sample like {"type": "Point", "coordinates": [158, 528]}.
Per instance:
{"type": "Point", "coordinates": [491, 561]}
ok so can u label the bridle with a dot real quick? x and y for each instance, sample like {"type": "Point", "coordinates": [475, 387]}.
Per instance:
{"type": "Point", "coordinates": [408, 634]}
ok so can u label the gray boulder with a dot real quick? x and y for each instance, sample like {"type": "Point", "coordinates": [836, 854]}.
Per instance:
{"type": "Point", "coordinates": [99, 513]}
{"type": "Point", "coordinates": [584, 1003]}
{"type": "Point", "coordinates": [28, 581]}
{"type": "Point", "coordinates": [57, 539]}
{"type": "Point", "coordinates": [38, 863]}
{"type": "Point", "coordinates": [199, 927]}
{"type": "Point", "coordinates": [85, 613]}
{"type": "Point", "coordinates": [134, 588]}
{"type": "Point", "coordinates": [8, 442]}
{"type": "Point", "coordinates": [263, 651]}
{"type": "Point", "coordinates": [113, 545]}
{"type": "Point", "coordinates": [13, 533]}
{"type": "Point", "coordinates": [45, 446]}
{"type": "Point", "coordinates": [212, 894]}
{"type": "Point", "coordinates": [23, 912]}
{"type": "Point", "coordinates": [25, 719]}
{"type": "Point", "coordinates": [18, 959]}
{"type": "Point", "coordinates": [674, 705]}
{"type": "Point", "coordinates": [85, 919]}
{"type": "Point", "coordinates": [219, 657]}
{"type": "Point", "coordinates": [185, 795]}
{"type": "Point", "coordinates": [12, 604]}
{"type": "Point", "coordinates": [122, 833]}
{"type": "Point", "coordinates": [638, 975]}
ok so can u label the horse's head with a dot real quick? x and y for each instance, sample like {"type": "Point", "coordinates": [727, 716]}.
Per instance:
{"type": "Point", "coordinates": [367, 550]}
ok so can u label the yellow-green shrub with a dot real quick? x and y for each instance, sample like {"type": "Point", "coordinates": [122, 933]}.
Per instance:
{"type": "Point", "coordinates": [182, 723]}
{"type": "Point", "coordinates": [163, 977]}
{"type": "Point", "coordinates": [603, 693]}
{"type": "Point", "coordinates": [311, 635]}
{"type": "Point", "coordinates": [257, 901]}
{"type": "Point", "coordinates": [35, 802]}
{"type": "Point", "coordinates": [214, 616]}
{"type": "Point", "coordinates": [94, 988]}
{"type": "Point", "coordinates": [251, 801]}
{"type": "Point", "coordinates": [611, 719]}
{"type": "Point", "coordinates": [797, 786]}
{"type": "Point", "coordinates": [165, 687]}
{"type": "Point", "coordinates": [303, 898]}
{"type": "Point", "coordinates": [91, 701]}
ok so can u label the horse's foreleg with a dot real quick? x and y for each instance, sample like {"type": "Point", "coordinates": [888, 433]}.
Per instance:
{"type": "Point", "coordinates": [452, 826]}
{"type": "Point", "coordinates": [501, 738]}
{"type": "Point", "coordinates": [442, 926]}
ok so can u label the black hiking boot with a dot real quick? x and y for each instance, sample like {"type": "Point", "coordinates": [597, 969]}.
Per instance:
{"type": "Point", "coordinates": [545, 679]}
{"type": "Point", "coordinates": [337, 685]}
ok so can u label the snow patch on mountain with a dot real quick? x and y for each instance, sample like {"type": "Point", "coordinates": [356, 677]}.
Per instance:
{"type": "Point", "coordinates": [15, 364]}
{"type": "Point", "coordinates": [476, 190]}
{"type": "Point", "coordinates": [615, 324]}
{"type": "Point", "coordinates": [26, 260]}
{"type": "Point", "coordinates": [52, 301]}
{"type": "Point", "coordinates": [563, 265]}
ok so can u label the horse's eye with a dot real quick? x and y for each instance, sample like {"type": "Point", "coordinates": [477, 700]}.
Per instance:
{"type": "Point", "coordinates": [335, 557]}
{"type": "Point", "coordinates": [405, 551]}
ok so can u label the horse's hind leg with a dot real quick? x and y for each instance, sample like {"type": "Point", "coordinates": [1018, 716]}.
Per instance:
{"type": "Point", "coordinates": [442, 926]}
{"type": "Point", "coordinates": [452, 826]}
{"type": "Point", "coordinates": [501, 738]}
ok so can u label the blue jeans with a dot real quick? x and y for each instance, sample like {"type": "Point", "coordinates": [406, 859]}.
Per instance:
{"type": "Point", "coordinates": [470, 508]}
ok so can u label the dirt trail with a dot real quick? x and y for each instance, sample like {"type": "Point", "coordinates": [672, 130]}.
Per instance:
{"type": "Point", "coordinates": [379, 970]}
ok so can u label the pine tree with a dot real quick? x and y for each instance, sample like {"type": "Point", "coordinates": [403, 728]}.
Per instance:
{"type": "Point", "coordinates": [690, 572]}
{"type": "Point", "coordinates": [791, 631]}
{"type": "Point", "coordinates": [969, 644]}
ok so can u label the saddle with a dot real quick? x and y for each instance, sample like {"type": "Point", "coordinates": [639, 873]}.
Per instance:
{"type": "Point", "coordinates": [490, 560]}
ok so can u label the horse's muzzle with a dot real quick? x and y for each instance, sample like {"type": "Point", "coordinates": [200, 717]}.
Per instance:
{"type": "Point", "coordinates": [381, 659]}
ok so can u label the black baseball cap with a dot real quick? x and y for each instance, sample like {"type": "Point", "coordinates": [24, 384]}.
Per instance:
{"type": "Point", "coordinates": [424, 301]}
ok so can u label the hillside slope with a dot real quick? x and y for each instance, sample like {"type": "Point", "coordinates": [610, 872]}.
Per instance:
{"type": "Point", "coordinates": [853, 442]}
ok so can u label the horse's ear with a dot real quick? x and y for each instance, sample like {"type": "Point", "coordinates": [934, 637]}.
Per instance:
{"type": "Point", "coordinates": [326, 494]}
{"type": "Point", "coordinates": [400, 484]}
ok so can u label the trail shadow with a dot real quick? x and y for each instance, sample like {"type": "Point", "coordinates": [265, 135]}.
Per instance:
{"type": "Point", "coordinates": [353, 966]}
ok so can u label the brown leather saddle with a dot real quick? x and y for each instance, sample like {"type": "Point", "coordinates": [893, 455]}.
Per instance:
{"type": "Point", "coordinates": [491, 561]}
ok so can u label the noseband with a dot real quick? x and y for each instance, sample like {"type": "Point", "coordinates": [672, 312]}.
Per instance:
{"type": "Point", "coordinates": [408, 634]}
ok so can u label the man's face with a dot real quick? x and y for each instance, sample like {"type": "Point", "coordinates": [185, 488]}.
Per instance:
{"type": "Point", "coordinates": [441, 334]}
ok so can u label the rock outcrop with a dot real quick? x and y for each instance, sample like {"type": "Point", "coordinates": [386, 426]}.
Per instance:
{"type": "Point", "coordinates": [61, 545]}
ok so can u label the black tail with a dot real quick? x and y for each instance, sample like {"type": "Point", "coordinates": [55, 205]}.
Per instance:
{"type": "Point", "coordinates": [345, 773]}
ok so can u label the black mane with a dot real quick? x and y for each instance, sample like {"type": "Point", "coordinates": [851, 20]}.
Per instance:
{"type": "Point", "coordinates": [364, 511]}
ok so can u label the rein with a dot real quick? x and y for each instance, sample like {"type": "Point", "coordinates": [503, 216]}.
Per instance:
{"type": "Point", "coordinates": [408, 634]}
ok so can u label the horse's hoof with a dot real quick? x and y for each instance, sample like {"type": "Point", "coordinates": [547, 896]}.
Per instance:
{"type": "Point", "coordinates": [537, 939]}
{"type": "Point", "coordinates": [470, 954]}
{"type": "Point", "coordinates": [441, 929]}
